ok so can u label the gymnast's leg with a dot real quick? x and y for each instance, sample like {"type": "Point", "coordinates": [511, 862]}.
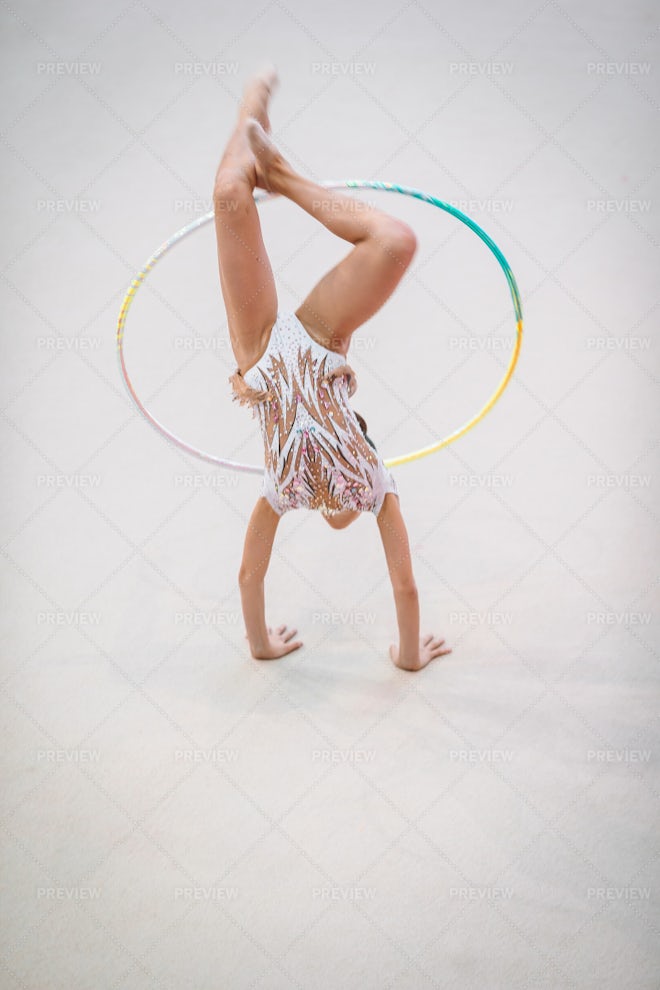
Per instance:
{"type": "Point", "coordinates": [246, 277]}
{"type": "Point", "coordinates": [357, 287]}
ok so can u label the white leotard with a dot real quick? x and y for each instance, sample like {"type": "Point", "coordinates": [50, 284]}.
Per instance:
{"type": "Point", "coordinates": [316, 455]}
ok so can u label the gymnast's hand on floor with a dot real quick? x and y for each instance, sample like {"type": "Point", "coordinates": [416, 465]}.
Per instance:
{"type": "Point", "coordinates": [430, 647]}
{"type": "Point", "coordinates": [279, 644]}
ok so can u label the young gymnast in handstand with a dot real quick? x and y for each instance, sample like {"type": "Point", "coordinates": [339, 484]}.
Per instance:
{"type": "Point", "coordinates": [292, 370]}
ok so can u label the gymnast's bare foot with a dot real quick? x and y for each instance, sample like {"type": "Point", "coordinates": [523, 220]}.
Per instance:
{"type": "Point", "coordinates": [269, 162]}
{"type": "Point", "coordinates": [257, 93]}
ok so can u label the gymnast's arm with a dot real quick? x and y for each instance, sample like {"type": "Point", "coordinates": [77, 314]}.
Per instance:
{"type": "Point", "coordinates": [264, 643]}
{"type": "Point", "coordinates": [412, 653]}
{"type": "Point", "coordinates": [394, 535]}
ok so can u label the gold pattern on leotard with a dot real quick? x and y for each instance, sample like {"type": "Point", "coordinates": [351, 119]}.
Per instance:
{"type": "Point", "coordinates": [316, 455]}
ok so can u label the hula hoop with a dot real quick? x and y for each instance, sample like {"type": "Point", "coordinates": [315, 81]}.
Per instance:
{"type": "Point", "coordinates": [259, 196]}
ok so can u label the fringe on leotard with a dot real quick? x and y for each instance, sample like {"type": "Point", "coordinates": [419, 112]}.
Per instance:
{"type": "Point", "coordinates": [344, 369]}
{"type": "Point", "coordinates": [245, 395]}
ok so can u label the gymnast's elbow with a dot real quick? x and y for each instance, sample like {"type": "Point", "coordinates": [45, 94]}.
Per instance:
{"type": "Point", "coordinates": [249, 577]}
{"type": "Point", "coordinates": [404, 588]}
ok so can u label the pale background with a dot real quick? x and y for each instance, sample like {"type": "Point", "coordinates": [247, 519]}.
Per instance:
{"type": "Point", "coordinates": [177, 815]}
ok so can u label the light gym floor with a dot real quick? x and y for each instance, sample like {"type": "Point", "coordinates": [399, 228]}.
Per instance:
{"type": "Point", "coordinates": [177, 815]}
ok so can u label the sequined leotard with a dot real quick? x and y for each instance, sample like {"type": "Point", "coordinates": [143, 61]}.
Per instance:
{"type": "Point", "coordinates": [316, 455]}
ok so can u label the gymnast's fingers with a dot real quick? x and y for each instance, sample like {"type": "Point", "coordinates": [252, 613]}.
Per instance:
{"type": "Point", "coordinates": [439, 652]}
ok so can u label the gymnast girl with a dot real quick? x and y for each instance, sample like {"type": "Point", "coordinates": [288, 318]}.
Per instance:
{"type": "Point", "coordinates": [292, 370]}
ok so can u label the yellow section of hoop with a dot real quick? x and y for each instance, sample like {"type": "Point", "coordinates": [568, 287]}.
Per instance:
{"type": "Point", "coordinates": [462, 430]}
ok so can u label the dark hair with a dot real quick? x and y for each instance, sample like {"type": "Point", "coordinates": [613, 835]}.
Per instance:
{"type": "Point", "coordinates": [363, 427]}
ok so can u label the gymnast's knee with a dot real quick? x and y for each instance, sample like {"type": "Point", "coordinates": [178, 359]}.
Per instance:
{"type": "Point", "coordinates": [400, 238]}
{"type": "Point", "coordinates": [231, 187]}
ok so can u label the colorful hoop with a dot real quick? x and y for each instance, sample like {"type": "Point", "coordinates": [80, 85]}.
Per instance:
{"type": "Point", "coordinates": [260, 196]}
